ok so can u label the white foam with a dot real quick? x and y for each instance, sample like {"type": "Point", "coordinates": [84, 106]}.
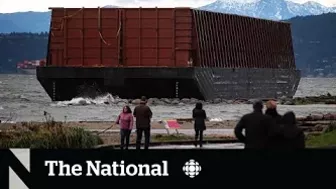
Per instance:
{"type": "Point", "coordinates": [106, 99]}
{"type": "Point", "coordinates": [5, 121]}
{"type": "Point", "coordinates": [215, 119]}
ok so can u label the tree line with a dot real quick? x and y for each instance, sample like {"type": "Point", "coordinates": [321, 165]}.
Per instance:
{"type": "Point", "coordinates": [17, 47]}
{"type": "Point", "coordinates": [314, 39]}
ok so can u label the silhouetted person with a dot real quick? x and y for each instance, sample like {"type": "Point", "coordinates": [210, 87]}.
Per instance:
{"type": "Point", "coordinates": [275, 131]}
{"type": "Point", "coordinates": [143, 115]}
{"type": "Point", "coordinates": [125, 120]}
{"type": "Point", "coordinates": [256, 126]}
{"type": "Point", "coordinates": [271, 110]}
{"type": "Point", "coordinates": [294, 137]}
{"type": "Point", "coordinates": [199, 116]}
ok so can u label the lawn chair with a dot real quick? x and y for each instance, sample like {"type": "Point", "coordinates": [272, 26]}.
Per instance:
{"type": "Point", "coordinates": [172, 124]}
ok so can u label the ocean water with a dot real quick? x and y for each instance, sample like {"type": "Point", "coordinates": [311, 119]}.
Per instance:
{"type": "Point", "coordinates": [23, 99]}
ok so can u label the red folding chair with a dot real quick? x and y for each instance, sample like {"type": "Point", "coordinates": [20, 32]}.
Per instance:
{"type": "Point", "coordinates": [172, 124]}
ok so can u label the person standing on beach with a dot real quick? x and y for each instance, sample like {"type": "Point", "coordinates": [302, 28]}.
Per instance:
{"type": "Point", "coordinates": [199, 116]}
{"type": "Point", "coordinates": [125, 120]}
{"type": "Point", "coordinates": [276, 138]}
{"type": "Point", "coordinates": [271, 110]}
{"type": "Point", "coordinates": [294, 137]}
{"type": "Point", "coordinates": [143, 115]}
{"type": "Point", "coordinates": [256, 126]}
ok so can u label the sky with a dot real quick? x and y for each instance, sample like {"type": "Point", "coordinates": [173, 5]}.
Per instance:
{"type": "Point", "coordinates": [8, 6]}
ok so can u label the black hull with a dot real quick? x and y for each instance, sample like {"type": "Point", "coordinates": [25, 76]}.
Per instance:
{"type": "Point", "coordinates": [65, 83]}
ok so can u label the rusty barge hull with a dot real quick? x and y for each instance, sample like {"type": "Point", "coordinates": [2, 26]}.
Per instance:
{"type": "Point", "coordinates": [167, 53]}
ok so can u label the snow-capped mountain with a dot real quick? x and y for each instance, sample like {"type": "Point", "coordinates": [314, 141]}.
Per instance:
{"type": "Point", "coordinates": [110, 6]}
{"type": "Point", "coordinates": [268, 9]}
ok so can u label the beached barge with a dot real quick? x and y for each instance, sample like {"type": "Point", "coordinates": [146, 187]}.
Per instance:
{"type": "Point", "coordinates": [167, 53]}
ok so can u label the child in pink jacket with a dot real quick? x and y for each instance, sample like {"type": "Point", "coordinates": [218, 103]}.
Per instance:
{"type": "Point", "coordinates": [125, 120]}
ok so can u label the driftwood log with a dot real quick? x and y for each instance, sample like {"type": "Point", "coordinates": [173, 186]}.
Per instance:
{"type": "Point", "coordinates": [314, 124]}
{"type": "Point", "coordinates": [324, 99]}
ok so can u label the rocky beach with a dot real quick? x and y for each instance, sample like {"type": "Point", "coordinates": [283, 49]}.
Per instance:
{"type": "Point", "coordinates": [217, 131]}
{"type": "Point", "coordinates": [23, 100]}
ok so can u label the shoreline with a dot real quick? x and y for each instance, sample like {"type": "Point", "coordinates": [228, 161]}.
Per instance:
{"type": "Point", "coordinates": [219, 132]}
{"type": "Point", "coordinates": [109, 99]}
{"type": "Point", "coordinates": [185, 124]}
{"type": "Point", "coordinates": [94, 114]}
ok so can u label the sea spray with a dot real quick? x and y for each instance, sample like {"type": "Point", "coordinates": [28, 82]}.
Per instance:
{"type": "Point", "coordinates": [80, 101]}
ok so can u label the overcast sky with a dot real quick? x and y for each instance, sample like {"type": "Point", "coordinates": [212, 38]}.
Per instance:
{"type": "Point", "coordinates": [7, 6]}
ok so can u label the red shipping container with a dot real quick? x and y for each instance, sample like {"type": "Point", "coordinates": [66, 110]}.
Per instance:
{"type": "Point", "coordinates": [113, 37]}
{"type": "Point", "coordinates": [166, 37]}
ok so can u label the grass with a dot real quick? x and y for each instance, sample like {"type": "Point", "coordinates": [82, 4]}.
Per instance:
{"type": "Point", "coordinates": [49, 135]}
{"type": "Point", "coordinates": [323, 140]}
{"type": "Point", "coordinates": [326, 139]}
{"type": "Point", "coordinates": [315, 100]}
{"type": "Point", "coordinates": [302, 101]}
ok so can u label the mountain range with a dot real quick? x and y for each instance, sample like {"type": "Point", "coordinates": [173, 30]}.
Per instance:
{"type": "Point", "coordinates": [34, 22]}
{"type": "Point", "coordinates": [267, 9]}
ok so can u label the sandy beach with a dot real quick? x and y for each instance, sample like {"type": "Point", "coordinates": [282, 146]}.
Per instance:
{"type": "Point", "coordinates": [228, 124]}
{"type": "Point", "coordinates": [102, 125]}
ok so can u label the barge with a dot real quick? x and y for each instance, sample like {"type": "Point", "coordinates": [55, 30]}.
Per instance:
{"type": "Point", "coordinates": [167, 53]}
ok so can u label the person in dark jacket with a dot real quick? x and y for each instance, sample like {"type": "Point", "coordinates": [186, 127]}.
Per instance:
{"type": "Point", "coordinates": [143, 115]}
{"type": "Point", "coordinates": [199, 116]}
{"type": "Point", "coordinates": [275, 131]}
{"type": "Point", "coordinates": [256, 126]}
{"type": "Point", "coordinates": [294, 137]}
{"type": "Point", "coordinates": [271, 110]}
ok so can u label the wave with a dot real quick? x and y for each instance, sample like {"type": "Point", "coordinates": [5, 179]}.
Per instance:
{"type": "Point", "coordinates": [8, 96]}
{"type": "Point", "coordinates": [215, 119]}
{"type": "Point", "coordinates": [108, 99]}
{"type": "Point", "coordinates": [10, 122]}
{"type": "Point", "coordinates": [80, 101]}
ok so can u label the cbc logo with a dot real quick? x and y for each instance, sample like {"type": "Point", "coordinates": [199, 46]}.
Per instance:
{"type": "Point", "coordinates": [192, 168]}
